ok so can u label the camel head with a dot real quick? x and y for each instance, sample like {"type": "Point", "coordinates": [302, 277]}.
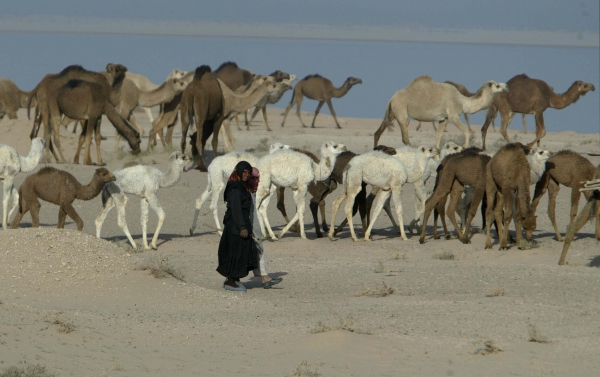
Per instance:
{"type": "Point", "coordinates": [428, 151]}
{"type": "Point", "coordinates": [353, 81]}
{"type": "Point", "coordinates": [385, 149]}
{"type": "Point", "coordinates": [277, 146]}
{"type": "Point", "coordinates": [105, 175]}
{"type": "Point", "coordinates": [176, 74]}
{"type": "Point", "coordinates": [584, 87]}
{"type": "Point", "coordinates": [39, 144]}
{"type": "Point", "coordinates": [496, 87]}
{"type": "Point", "coordinates": [272, 87]}
{"type": "Point", "coordinates": [116, 69]}
{"type": "Point", "coordinates": [177, 85]}
{"type": "Point", "coordinates": [450, 148]}
{"type": "Point", "coordinates": [541, 154]}
{"type": "Point", "coordinates": [179, 159]}
{"type": "Point", "coordinates": [529, 222]}
{"type": "Point", "coordinates": [329, 147]}
{"type": "Point", "coordinates": [280, 76]}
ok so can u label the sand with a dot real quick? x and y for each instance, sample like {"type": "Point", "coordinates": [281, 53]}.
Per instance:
{"type": "Point", "coordinates": [83, 306]}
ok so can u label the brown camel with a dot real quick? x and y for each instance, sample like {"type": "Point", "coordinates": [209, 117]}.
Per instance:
{"type": "Point", "coordinates": [508, 175]}
{"type": "Point", "coordinates": [233, 76]}
{"type": "Point", "coordinates": [466, 168]}
{"type": "Point", "coordinates": [531, 96]}
{"type": "Point", "coordinates": [132, 96]}
{"type": "Point", "coordinates": [569, 169]}
{"type": "Point", "coordinates": [318, 88]}
{"type": "Point", "coordinates": [11, 98]}
{"type": "Point", "coordinates": [58, 187]}
{"type": "Point", "coordinates": [590, 211]}
{"type": "Point", "coordinates": [202, 102]}
{"type": "Point", "coordinates": [50, 84]}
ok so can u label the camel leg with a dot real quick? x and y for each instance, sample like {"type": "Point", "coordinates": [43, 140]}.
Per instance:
{"type": "Point", "coordinates": [68, 208]}
{"type": "Point", "coordinates": [264, 114]}
{"type": "Point", "coordinates": [80, 143]}
{"type": "Point", "coordinates": [281, 207]}
{"type": "Point", "coordinates": [440, 131]}
{"type": "Point", "coordinates": [300, 200]}
{"type": "Point", "coordinates": [98, 139]}
{"type": "Point", "coordinates": [91, 125]}
{"type": "Point", "coordinates": [575, 196]}
{"type": "Point", "coordinates": [396, 197]}
{"type": "Point", "coordinates": [420, 198]}
{"type": "Point", "coordinates": [575, 226]}
{"type": "Point", "coordinates": [298, 113]}
{"type": "Point", "coordinates": [323, 215]}
{"type": "Point", "coordinates": [456, 120]}
{"type": "Point", "coordinates": [148, 112]}
{"type": "Point", "coordinates": [553, 189]}
{"type": "Point", "coordinates": [508, 198]}
{"type": "Point", "coordinates": [476, 200]}
{"type": "Point", "coordinates": [135, 124]}
{"type": "Point", "coordinates": [144, 222]}
{"type": "Point", "coordinates": [540, 129]}
{"type": "Point", "coordinates": [256, 110]}
{"type": "Point", "coordinates": [388, 210]}
{"type": "Point", "coordinates": [490, 192]}
{"type": "Point", "coordinates": [468, 122]}
{"type": "Point", "coordinates": [330, 105]}
{"type": "Point", "coordinates": [15, 198]}
{"type": "Point", "coordinates": [14, 224]}
{"type": "Point", "coordinates": [62, 217]}
{"type": "Point", "coordinates": [314, 210]}
{"type": "Point", "coordinates": [56, 137]}
{"type": "Point", "coordinates": [404, 129]}
{"type": "Point", "coordinates": [334, 209]}
{"type": "Point", "coordinates": [381, 198]}
{"type": "Point", "coordinates": [35, 213]}
{"type": "Point", "coordinates": [7, 191]}
{"type": "Point", "coordinates": [351, 194]}
{"type": "Point", "coordinates": [455, 195]}
{"type": "Point", "coordinates": [263, 200]}
{"type": "Point", "coordinates": [525, 123]}
{"type": "Point", "coordinates": [287, 110]}
{"type": "Point", "coordinates": [214, 205]}
{"type": "Point", "coordinates": [156, 207]}
{"type": "Point", "coordinates": [199, 202]}
{"type": "Point", "coordinates": [504, 126]}
{"type": "Point", "coordinates": [419, 126]}
{"type": "Point", "coordinates": [317, 113]}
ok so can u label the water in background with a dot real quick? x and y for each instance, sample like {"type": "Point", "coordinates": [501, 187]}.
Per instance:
{"type": "Point", "coordinates": [383, 67]}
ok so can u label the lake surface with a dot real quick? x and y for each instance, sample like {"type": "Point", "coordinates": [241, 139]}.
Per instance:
{"type": "Point", "coordinates": [383, 67]}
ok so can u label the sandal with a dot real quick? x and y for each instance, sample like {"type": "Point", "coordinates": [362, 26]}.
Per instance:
{"type": "Point", "coordinates": [271, 283]}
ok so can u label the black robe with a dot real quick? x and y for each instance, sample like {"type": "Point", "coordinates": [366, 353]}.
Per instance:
{"type": "Point", "coordinates": [237, 255]}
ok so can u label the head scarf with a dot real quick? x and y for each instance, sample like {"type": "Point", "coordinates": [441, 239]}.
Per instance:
{"type": "Point", "coordinates": [235, 179]}
{"type": "Point", "coordinates": [254, 180]}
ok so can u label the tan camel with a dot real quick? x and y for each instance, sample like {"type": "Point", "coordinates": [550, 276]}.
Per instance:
{"type": "Point", "coordinates": [317, 87]}
{"type": "Point", "coordinates": [507, 183]}
{"type": "Point", "coordinates": [531, 96]}
{"type": "Point", "coordinates": [131, 97]}
{"type": "Point", "coordinates": [50, 84]}
{"type": "Point", "coordinates": [11, 98]}
{"type": "Point", "coordinates": [202, 102]}
{"type": "Point", "coordinates": [589, 212]}
{"type": "Point", "coordinates": [427, 100]}
{"type": "Point", "coordinates": [60, 188]}
{"type": "Point", "coordinates": [273, 98]}
{"type": "Point", "coordinates": [567, 168]}
{"type": "Point", "coordinates": [466, 168]}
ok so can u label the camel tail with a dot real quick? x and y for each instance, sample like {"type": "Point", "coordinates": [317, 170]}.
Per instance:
{"type": "Point", "coordinates": [387, 122]}
{"type": "Point", "coordinates": [30, 99]}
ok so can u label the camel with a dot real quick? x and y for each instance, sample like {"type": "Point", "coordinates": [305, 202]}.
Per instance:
{"type": "Point", "coordinates": [567, 168]}
{"type": "Point", "coordinates": [58, 187]}
{"type": "Point", "coordinates": [456, 171]}
{"type": "Point", "coordinates": [131, 97]}
{"type": "Point", "coordinates": [202, 102]}
{"type": "Point", "coordinates": [288, 168]}
{"type": "Point", "coordinates": [378, 170]}
{"type": "Point", "coordinates": [11, 164]}
{"type": "Point", "coordinates": [531, 96]}
{"type": "Point", "coordinates": [83, 100]}
{"type": "Point", "coordinates": [233, 76]}
{"type": "Point", "coordinates": [508, 178]}
{"type": "Point", "coordinates": [272, 99]}
{"type": "Point", "coordinates": [11, 98]}
{"type": "Point", "coordinates": [427, 100]}
{"type": "Point", "coordinates": [51, 83]}
{"type": "Point", "coordinates": [317, 87]}
{"type": "Point", "coordinates": [143, 181]}
{"type": "Point", "coordinates": [144, 84]}
{"type": "Point", "coordinates": [219, 171]}
{"type": "Point", "coordinates": [589, 212]}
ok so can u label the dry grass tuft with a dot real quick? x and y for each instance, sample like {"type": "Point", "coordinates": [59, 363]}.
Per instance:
{"type": "Point", "coordinates": [161, 268]}
{"type": "Point", "coordinates": [305, 370]}
{"type": "Point", "coordinates": [535, 336]}
{"type": "Point", "coordinates": [488, 348]}
{"type": "Point", "coordinates": [495, 293]}
{"type": "Point", "coordinates": [380, 268]}
{"type": "Point", "coordinates": [446, 255]}
{"type": "Point", "coordinates": [346, 324]}
{"type": "Point", "coordinates": [64, 327]}
{"type": "Point", "coordinates": [36, 370]}
{"type": "Point", "coordinates": [382, 290]}
{"type": "Point", "coordinates": [527, 245]}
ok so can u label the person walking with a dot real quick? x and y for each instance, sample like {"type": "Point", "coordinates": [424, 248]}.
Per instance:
{"type": "Point", "coordinates": [237, 252]}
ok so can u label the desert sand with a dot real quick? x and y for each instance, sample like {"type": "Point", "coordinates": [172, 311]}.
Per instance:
{"type": "Point", "coordinates": [82, 306]}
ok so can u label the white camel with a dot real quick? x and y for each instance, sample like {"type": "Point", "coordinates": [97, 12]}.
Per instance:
{"type": "Point", "coordinates": [143, 181]}
{"type": "Point", "coordinates": [11, 164]}
{"type": "Point", "coordinates": [219, 171]}
{"type": "Point", "coordinates": [379, 170]}
{"type": "Point", "coordinates": [427, 100]}
{"type": "Point", "coordinates": [288, 168]}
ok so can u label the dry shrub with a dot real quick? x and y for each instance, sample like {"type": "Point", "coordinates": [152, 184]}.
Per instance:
{"type": "Point", "coordinates": [305, 370]}
{"type": "Point", "coordinates": [377, 291]}
{"type": "Point", "coordinates": [64, 327]}
{"type": "Point", "coordinates": [36, 370]}
{"type": "Point", "coordinates": [495, 293]}
{"type": "Point", "coordinates": [161, 268]}
{"type": "Point", "coordinates": [527, 244]}
{"type": "Point", "coordinates": [446, 255]}
{"type": "Point", "coordinates": [488, 348]}
{"type": "Point", "coordinates": [535, 336]}
{"type": "Point", "coordinates": [346, 324]}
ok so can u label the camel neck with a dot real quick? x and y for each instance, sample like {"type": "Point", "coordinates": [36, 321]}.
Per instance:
{"type": "Point", "coordinates": [244, 102]}
{"type": "Point", "coordinates": [172, 175]}
{"type": "Point", "coordinates": [416, 169]}
{"type": "Point", "coordinates": [24, 98]}
{"type": "Point", "coordinates": [560, 101]}
{"type": "Point", "coordinates": [154, 97]}
{"type": "Point", "coordinates": [29, 162]}
{"type": "Point", "coordinates": [342, 90]}
{"type": "Point", "coordinates": [481, 100]}
{"type": "Point", "coordinates": [89, 191]}
{"type": "Point", "coordinates": [323, 169]}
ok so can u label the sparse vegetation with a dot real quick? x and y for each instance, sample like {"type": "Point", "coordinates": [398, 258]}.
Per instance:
{"type": "Point", "coordinates": [495, 293]}
{"type": "Point", "coordinates": [380, 290]}
{"type": "Point", "coordinates": [64, 327]}
{"type": "Point", "coordinates": [305, 370]}
{"type": "Point", "coordinates": [346, 324]}
{"type": "Point", "coordinates": [488, 348]}
{"type": "Point", "coordinates": [161, 268]}
{"type": "Point", "coordinates": [535, 335]}
{"type": "Point", "coordinates": [527, 244]}
{"type": "Point", "coordinates": [446, 255]}
{"type": "Point", "coordinates": [380, 268]}
{"type": "Point", "coordinates": [36, 370]}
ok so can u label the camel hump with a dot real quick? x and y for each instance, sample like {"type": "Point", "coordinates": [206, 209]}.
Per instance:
{"type": "Point", "coordinates": [201, 71]}
{"type": "Point", "coordinates": [48, 170]}
{"type": "Point", "coordinates": [132, 164]}
{"type": "Point", "coordinates": [423, 78]}
{"type": "Point", "coordinates": [471, 151]}
{"type": "Point", "coordinates": [72, 68]}
{"type": "Point", "coordinates": [316, 75]}
{"type": "Point", "coordinates": [517, 147]}
{"type": "Point", "coordinates": [74, 83]}
{"type": "Point", "coordinates": [227, 65]}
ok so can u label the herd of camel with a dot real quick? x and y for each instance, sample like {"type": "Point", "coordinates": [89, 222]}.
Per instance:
{"type": "Point", "coordinates": [470, 176]}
